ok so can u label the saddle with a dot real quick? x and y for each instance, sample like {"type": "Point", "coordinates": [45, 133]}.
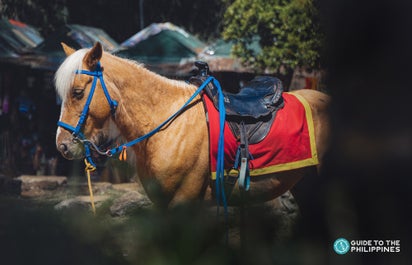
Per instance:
{"type": "Point", "coordinates": [250, 114]}
{"type": "Point", "coordinates": [253, 107]}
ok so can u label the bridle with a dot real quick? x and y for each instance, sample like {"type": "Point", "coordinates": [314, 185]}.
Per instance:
{"type": "Point", "coordinates": [77, 130]}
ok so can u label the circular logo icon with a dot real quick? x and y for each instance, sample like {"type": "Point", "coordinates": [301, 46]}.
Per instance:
{"type": "Point", "coordinates": [341, 246]}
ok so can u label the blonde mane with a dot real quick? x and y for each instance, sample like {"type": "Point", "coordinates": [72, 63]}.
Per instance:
{"type": "Point", "coordinates": [65, 75]}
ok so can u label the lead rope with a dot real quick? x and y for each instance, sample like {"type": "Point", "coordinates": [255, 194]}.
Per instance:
{"type": "Point", "coordinates": [90, 168]}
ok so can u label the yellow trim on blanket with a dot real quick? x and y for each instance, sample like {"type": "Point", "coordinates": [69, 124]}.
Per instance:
{"type": "Point", "coordinates": [312, 161]}
{"type": "Point", "coordinates": [280, 167]}
{"type": "Point", "coordinates": [311, 127]}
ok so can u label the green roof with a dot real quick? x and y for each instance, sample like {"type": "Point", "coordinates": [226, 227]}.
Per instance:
{"type": "Point", "coordinates": [161, 43]}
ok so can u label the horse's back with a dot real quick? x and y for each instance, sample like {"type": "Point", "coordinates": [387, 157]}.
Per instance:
{"type": "Point", "coordinates": [317, 100]}
{"type": "Point", "coordinates": [319, 104]}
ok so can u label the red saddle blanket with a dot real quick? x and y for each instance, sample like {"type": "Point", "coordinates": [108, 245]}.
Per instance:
{"type": "Point", "coordinates": [290, 143]}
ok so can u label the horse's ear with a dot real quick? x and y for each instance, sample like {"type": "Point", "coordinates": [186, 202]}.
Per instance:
{"type": "Point", "coordinates": [67, 49]}
{"type": "Point", "coordinates": [93, 56]}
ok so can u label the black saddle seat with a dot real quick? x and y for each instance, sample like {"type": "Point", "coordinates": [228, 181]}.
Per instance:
{"type": "Point", "coordinates": [253, 109]}
{"type": "Point", "coordinates": [257, 99]}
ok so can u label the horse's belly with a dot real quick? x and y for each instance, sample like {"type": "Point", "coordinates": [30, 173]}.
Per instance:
{"type": "Point", "coordinates": [264, 188]}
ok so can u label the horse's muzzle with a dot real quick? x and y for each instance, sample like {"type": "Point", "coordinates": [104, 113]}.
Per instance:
{"type": "Point", "coordinates": [70, 149]}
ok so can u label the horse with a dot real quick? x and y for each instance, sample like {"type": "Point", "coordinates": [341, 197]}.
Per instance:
{"type": "Point", "coordinates": [173, 164]}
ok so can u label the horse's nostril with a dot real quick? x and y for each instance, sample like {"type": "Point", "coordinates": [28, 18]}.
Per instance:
{"type": "Point", "coordinates": [63, 148]}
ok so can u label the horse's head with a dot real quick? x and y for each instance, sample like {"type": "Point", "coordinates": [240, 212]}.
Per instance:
{"type": "Point", "coordinates": [87, 103]}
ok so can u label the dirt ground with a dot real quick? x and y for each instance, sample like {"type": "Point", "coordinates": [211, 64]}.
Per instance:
{"type": "Point", "coordinates": [59, 227]}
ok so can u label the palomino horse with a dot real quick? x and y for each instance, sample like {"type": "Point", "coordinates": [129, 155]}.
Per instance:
{"type": "Point", "coordinates": [173, 164]}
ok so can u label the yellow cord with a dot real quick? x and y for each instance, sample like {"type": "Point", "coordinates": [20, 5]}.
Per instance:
{"type": "Point", "coordinates": [89, 168]}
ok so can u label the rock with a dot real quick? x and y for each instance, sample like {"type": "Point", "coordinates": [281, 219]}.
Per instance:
{"type": "Point", "coordinates": [99, 188]}
{"type": "Point", "coordinates": [34, 186]}
{"type": "Point", "coordinates": [133, 186]}
{"type": "Point", "coordinates": [129, 202]}
{"type": "Point", "coordinates": [80, 203]}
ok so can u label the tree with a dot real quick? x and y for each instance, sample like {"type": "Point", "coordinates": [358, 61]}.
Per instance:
{"type": "Point", "coordinates": [288, 31]}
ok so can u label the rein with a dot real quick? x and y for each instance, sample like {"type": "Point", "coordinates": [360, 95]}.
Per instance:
{"type": "Point", "coordinates": [90, 165]}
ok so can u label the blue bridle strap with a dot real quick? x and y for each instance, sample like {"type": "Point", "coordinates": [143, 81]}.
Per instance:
{"type": "Point", "coordinates": [76, 131]}
{"type": "Point", "coordinates": [98, 74]}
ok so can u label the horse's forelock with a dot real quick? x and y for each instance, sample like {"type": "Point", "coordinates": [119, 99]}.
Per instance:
{"type": "Point", "coordinates": [64, 77]}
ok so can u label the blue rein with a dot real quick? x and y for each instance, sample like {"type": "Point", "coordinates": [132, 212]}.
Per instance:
{"type": "Point", "coordinates": [78, 134]}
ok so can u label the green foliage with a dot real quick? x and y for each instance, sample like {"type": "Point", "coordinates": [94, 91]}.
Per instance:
{"type": "Point", "coordinates": [288, 31]}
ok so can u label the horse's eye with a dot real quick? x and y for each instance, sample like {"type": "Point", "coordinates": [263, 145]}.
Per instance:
{"type": "Point", "coordinates": [78, 93]}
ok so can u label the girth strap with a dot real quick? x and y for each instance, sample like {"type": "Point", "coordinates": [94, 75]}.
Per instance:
{"type": "Point", "coordinates": [244, 176]}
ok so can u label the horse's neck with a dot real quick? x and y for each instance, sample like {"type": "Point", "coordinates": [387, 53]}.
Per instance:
{"type": "Point", "coordinates": [146, 100]}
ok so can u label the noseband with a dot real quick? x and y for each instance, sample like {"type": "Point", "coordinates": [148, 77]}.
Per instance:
{"type": "Point", "coordinates": [77, 131]}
